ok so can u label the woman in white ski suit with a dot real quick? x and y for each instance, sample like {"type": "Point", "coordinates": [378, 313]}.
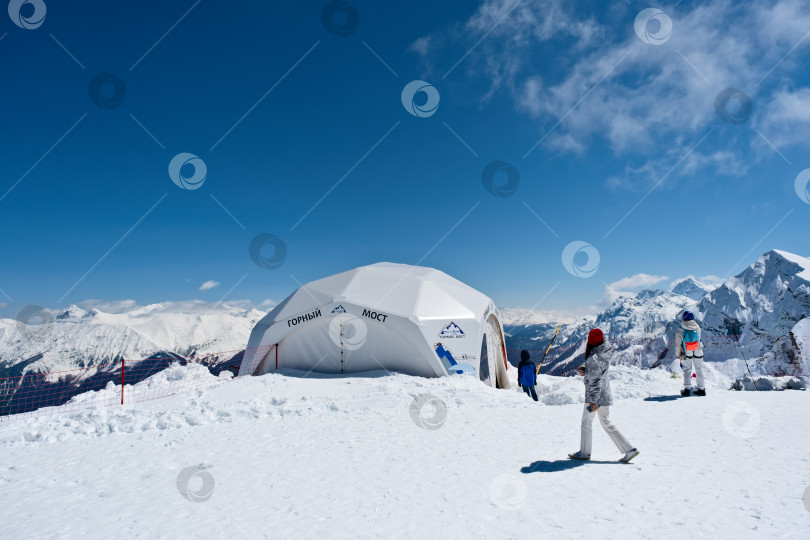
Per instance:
{"type": "Point", "coordinates": [599, 398]}
{"type": "Point", "coordinates": [690, 358]}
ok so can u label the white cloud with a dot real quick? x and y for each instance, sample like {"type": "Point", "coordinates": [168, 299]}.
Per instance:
{"type": "Point", "coordinates": [649, 102]}
{"type": "Point", "coordinates": [210, 284]}
{"type": "Point", "coordinates": [711, 280]}
{"type": "Point", "coordinates": [636, 281]}
{"type": "Point", "coordinates": [109, 306]}
{"type": "Point", "coordinates": [627, 286]}
{"type": "Point", "coordinates": [179, 306]}
{"type": "Point", "coordinates": [421, 46]}
{"type": "Point", "coordinates": [788, 115]}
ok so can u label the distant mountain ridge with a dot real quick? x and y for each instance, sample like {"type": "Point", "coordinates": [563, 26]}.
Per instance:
{"type": "Point", "coordinates": [76, 350]}
{"type": "Point", "coordinates": [749, 316]}
{"type": "Point", "coordinates": [77, 338]}
{"type": "Point", "coordinates": [762, 306]}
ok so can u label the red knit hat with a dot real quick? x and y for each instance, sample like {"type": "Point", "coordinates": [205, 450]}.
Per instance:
{"type": "Point", "coordinates": [595, 337]}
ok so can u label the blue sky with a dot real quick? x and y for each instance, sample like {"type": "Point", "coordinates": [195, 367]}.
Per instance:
{"type": "Point", "coordinates": [614, 135]}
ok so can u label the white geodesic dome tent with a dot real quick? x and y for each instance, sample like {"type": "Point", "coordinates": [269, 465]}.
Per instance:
{"type": "Point", "coordinates": [394, 317]}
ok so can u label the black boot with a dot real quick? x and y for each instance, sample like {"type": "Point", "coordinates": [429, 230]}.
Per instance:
{"type": "Point", "coordinates": [700, 392]}
{"type": "Point", "coordinates": [686, 392]}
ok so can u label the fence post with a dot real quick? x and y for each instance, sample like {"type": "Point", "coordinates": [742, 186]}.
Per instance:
{"type": "Point", "coordinates": [122, 381]}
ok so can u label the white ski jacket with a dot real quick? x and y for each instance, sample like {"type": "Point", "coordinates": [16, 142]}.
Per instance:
{"type": "Point", "coordinates": [686, 325]}
{"type": "Point", "coordinates": [597, 380]}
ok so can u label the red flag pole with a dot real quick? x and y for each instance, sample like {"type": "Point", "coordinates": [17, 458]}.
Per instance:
{"type": "Point", "coordinates": [122, 381]}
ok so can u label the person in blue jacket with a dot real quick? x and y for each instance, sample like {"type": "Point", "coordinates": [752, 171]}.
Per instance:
{"type": "Point", "coordinates": [527, 374]}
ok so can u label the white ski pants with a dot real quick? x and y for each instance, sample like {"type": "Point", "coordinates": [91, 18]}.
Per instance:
{"type": "Point", "coordinates": [686, 363]}
{"type": "Point", "coordinates": [618, 439]}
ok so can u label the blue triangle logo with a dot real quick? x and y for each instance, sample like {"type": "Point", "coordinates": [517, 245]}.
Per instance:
{"type": "Point", "coordinates": [451, 330]}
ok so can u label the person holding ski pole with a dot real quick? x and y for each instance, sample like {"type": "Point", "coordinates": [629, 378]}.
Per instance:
{"type": "Point", "coordinates": [527, 376]}
{"type": "Point", "coordinates": [689, 350]}
{"type": "Point", "coordinates": [598, 398]}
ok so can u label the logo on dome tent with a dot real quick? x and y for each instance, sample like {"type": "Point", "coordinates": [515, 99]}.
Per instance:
{"type": "Point", "coordinates": [452, 330]}
{"type": "Point", "coordinates": [339, 309]}
{"type": "Point", "coordinates": [452, 366]}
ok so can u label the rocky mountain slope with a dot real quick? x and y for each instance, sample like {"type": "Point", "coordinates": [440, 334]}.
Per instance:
{"type": "Point", "coordinates": [751, 316]}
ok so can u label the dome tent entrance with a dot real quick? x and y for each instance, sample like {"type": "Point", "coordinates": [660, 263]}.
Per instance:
{"type": "Point", "coordinates": [394, 317]}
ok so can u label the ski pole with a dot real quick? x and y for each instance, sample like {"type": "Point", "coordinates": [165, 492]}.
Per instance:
{"type": "Point", "coordinates": [746, 362]}
{"type": "Point", "coordinates": [548, 349]}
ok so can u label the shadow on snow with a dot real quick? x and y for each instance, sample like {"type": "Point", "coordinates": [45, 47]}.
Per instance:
{"type": "Point", "coordinates": [562, 465]}
{"type": "Point", "coordinates": [663, 398]}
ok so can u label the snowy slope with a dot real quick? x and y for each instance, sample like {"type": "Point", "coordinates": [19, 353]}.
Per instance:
{"type": "Point", "coordinates": [768, 297]}
{"type": "Point", "coordinates": [342, 457]}
{"type": "Point", "coordinates": [800, 336]}
{"type": "Point", "coordinates": [635, 325]}
{"type": "Point", "coordinates": [692, 288]}
{"type": "Point", "coordinates": [761, 305]}
{"type": "Point", "coordinates": [798, 260]}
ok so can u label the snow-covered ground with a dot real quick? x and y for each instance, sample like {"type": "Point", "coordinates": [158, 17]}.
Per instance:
{"type": "Point", "coordinates": [295, 456]}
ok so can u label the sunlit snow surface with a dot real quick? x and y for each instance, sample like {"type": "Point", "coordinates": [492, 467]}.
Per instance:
{"type": "Point", "coordinates": [295, 456]}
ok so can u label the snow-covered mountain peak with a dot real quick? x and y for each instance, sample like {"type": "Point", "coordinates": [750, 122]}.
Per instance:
{"type": "Point", "coordinates": [74, 312]}
{"type": "Point", "coordinates": [768, 278]}
{"type": "Point", "coordinates": [802, 262]}
{"type": "Point", "coordinates": [778, 262]}
{"type": "Point", "coordinates": [636, 316]}
{"type": "Point", "coordinates": [761, 303]}
{"type": "Point", "coordinates": [691, 288]}
{"type": "Point", "coordinates": [647, 294]}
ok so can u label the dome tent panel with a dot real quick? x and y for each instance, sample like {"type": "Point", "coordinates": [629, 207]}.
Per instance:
{"type": "Point", "coordinates": [384, 347]}
{"type": "Point", "coordinates": [303, 300]}
{"type": "Point", "coordinates": [437, 303]}
{"type": "Point", "coordinates": [383, 291]}
{"type": "Point", "coordinates": [299, 348]}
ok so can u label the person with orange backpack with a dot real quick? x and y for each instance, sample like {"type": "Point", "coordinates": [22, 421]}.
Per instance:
{"type": "Point", "coordinates": [689, 350]}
